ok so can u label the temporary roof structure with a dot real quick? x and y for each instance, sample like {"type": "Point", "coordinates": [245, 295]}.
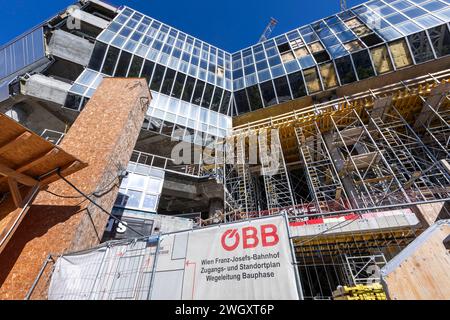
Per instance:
{"type": "Point", "coordinates": [28, 163]}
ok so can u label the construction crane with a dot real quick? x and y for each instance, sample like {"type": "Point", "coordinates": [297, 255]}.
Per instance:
{"type": "Point", "coordinates": [343, 5]}
{"type": "Point", "coordinates": [268, 30]}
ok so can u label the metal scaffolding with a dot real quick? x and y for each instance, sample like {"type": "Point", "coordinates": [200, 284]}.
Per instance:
{"type": "Point", "coordinates": [323, 180]}
{"type": "Point", "coordinates": [351, 174]}
{"type": "Point", "coordinates": [240, 189]}
{"type": "Point", "coordinates": [377, 149]}
{"type": "Point", "coordinates": [273, 169]}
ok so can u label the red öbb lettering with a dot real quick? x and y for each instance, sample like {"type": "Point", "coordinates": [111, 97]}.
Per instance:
{"type": "Point", "coordinates": [267, 236]}
{"type": "Point", "coordinates": [249, 237]}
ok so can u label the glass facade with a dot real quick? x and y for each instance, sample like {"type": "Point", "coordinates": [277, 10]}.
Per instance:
{"type": "Point", "coordinates": [367, 40]}
{"type": "Point", "coordinates": [21, 53]}
{"type": "Point", "coordinates": [194, 83]}
{"type": "Point", "coordinates": [190, 80]}
{"type": "Point", "coordinates": [141, 190]}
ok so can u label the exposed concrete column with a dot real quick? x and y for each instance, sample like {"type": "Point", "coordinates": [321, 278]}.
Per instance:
{"type": "Point", "coordinates": [45, 88]}
{"type": "Point", "coordinates": [70, 47]}
{"type": "Point", "coordinates": [104, 136]}
{"type": "Point", "coordinates": [88, 18]}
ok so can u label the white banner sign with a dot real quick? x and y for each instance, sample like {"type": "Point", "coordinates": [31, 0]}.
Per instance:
{"type": "Point", "coordinates": [242, 261]}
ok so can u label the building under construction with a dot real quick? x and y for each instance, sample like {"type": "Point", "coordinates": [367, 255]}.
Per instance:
{"type": "Point", "coordinates": [353, 110]}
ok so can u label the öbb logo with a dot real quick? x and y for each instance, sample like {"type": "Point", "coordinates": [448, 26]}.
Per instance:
{"type": "Point", "coordinates": [250, 237]}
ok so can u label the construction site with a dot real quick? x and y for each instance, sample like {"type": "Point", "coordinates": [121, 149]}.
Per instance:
{"type": "Point", "coordinates": [336, 135]}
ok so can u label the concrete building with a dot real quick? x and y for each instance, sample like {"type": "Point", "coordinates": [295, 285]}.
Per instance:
{"type": "Point", "coordinates": [356, 105]}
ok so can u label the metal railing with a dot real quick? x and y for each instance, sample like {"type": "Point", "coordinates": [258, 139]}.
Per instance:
{"type": "Point", "coordinates": [169, 165]}
{"type": "Point", "coordinates": [52, 136]}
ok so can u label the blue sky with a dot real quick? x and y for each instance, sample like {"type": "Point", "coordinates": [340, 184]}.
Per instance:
{"type": "Point", "coordinates": [228, 24]}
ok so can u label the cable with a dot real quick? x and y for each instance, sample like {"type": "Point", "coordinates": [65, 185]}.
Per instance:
{"type": "Point", "coordinates": [64, 197]}
{"type": "Point", "coordinates": [95, 203]}
{"type": "Point", "coordinates": [97, 194]}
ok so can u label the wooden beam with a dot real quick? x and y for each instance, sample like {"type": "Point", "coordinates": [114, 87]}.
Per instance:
{"type": "Point", "coordinates": [15, 192]}
{"type": "Point", "coordinates": [22, 137]}
{"type": "Point", "coordinates": [20, 177]}
{"type": "Point", "coordinates": [10, 228]}
{"type": "Point", "coordinates": [34, 162]}
{"type": "Point", "coordinates": [37, 160]}
{"type": "Point", "coordinates": [65, 171]}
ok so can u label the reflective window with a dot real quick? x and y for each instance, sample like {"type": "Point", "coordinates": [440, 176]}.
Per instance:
{"type": "Point", "coordinates": [312, 80]}
{"type": "Point", "coordinates": [123, 64]}
{"type": "Point", "coordinates": [353, 23]}
{"type": "Point", "coordinates": [408, 27]}
{"type": "Point", "coordinates": [207, 96]}
{"type": "Point", "coordinates": [433, 5]}
{"type": "Point", "coordinates": [215, 104]}
{"type": "Point", "coordinates": [157, 77]}
{"type": "Point", "coordinates": [389, 33]}
{"type": "Point", "coordinates": [337, 50]}
{"type": "Point", "coordinates": [287, 56]}
{"type": "Point", "coordinates": [178, 85]}
{"type": "Point", "coordinates": [428, 21]}
{"type": "Point", "coordinates": [150, 202]}
{"type": "Point", "coordinates": [307, 62]}
{"type": "Point", "coordinates": [97, 56]}
{"type": "Point", "coordinates": [168, 82]}
{"type": "Point", "coordinates": [321, 56]}
{"type": "Point", "coordinates": [362, 31]}
{"type": "Point", "coordinates": [225, 102]}
{"type": "Point", "coordinates": [297, 85]}
{"type": "Point", "coordinates": [402, 4]}
{"type": "Point", "coordinates": [363, 64]}
{"type": "Point", "coordinates": [328, 74]}
{"type": "Point", "coordinates": [198, 92]}
{"type": "Point", "coordinates": [420, 47]}
{"type": "Point", "coordinates": [110, 61]}
{"type": "Point", "coordinates": [147, 70]}
{"type": "Point", "coordinates": [316, 47]}
{"type": "Point", "coordinates": [135, 68]}
{"type": "Point", "coordinates": [254, 97]}
{"type": "Point", "coordinates": [400, 53]}
{"type": "Point", "coordinates": [282, 89]}
{"type": "Point", "coordinates": [268, 93]}
{"type": "Point", "coordinates": [414, 12]}
{"type": "Point", "coordinates": [346, 36]}
{"type": "Point", "coordinates": [440, 38]}
{"type": "Point", "coordinates": [396, 18]}
{"type": "Point", "coordinates": [133, 199]}
{"type": "Point", "coordinates": [241, 101]}
{"type": "Point", "coordinates": [381, 59]}
{"type": "Point", "coordinates": [345, 70]}
{"type": "Point", "coordinates": [353, 45]}
{"type": "Point", "coordinates": [371, 40]}
{"type": "Point", "coordinates": [301, 52]}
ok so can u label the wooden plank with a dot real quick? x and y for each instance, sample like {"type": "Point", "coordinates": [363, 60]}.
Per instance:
{"type": "Point", "coordinates": [424, 274]}
{"type": "Point", "coordinates": [67, 170]}
{"type": "Point", "coordinates": [20, 177]}
{"type": "Point", "coordinates": [15, 192]}
{"type": "Point", "coordinates": [10, 228]}
{"type": "Point", "coordinates": [34, 162]}
{"type": "Point", "coordinates": [22, 137]}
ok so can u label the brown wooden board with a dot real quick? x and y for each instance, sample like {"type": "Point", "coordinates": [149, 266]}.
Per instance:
{"type": "Point", "coordinates": [28, 154]}
{"type": "Point", "coordinates": [421, 271]}
{"type": "Point", "coordinates": [27, 163]}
